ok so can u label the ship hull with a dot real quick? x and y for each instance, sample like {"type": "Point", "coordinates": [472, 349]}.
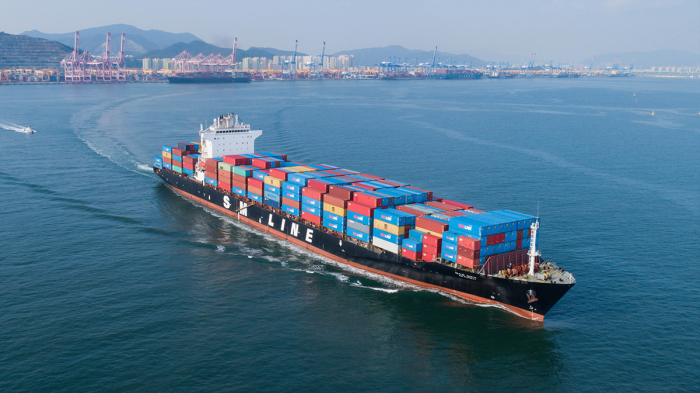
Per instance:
{"type": "Point", "coordinates": [178, 79]}
{"type": "Point", "coordinates": [508, 293]}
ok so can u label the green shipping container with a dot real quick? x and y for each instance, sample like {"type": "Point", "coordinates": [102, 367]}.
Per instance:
{"type": "Point", "coordinates": [177, 169]}
{"type": "Point", "coordinates": [224, 166]}
{"type": "Point", "coordinates": [241, 171]}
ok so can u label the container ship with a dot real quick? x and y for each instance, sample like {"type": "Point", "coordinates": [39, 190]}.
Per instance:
{"type": "Point", "coordinates": [209, 77]}
{"type": "Point", "coordinates": [368, 222]}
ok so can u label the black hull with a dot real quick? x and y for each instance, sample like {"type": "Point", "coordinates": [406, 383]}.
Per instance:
{"type": "Point", "coordinates": [480, 288]}
{"type": "Point", "coordinates": [177, 79]}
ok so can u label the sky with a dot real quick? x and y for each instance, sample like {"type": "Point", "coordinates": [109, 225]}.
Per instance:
{"type": "Point", "coordinates": [566, 31]}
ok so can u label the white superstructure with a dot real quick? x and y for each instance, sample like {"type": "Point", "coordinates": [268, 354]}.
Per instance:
{"type": "Point", "coordinates": [226, 136]}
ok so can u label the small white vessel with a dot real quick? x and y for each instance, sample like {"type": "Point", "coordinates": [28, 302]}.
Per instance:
{"type": "Point", "coordinates": [27, 130]}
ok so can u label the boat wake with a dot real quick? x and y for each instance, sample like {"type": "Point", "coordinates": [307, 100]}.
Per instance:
{"type": "Point", "coordinates": [16, 128]}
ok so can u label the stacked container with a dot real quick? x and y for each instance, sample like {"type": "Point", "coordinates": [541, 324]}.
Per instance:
{"type": "Point", "coordinates": [312, 204]}
{"type": "Point", "coordinates": [360, 221]}
{"type": "Point", "coordinates": [335, 204]}
{"type": "Point", "coordinates": [391, 226]}
{"type": "Point", "coordinates": [212, 171]}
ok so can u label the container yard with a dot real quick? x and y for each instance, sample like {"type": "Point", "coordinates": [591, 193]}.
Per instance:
{"type": "Point", "coordinates": [364, 220]}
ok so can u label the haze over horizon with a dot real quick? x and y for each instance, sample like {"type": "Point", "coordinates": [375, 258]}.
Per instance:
{"type": "Point", "coordinates": [563, 31]}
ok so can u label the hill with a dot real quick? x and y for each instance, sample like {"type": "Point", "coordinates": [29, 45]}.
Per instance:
{"type": "Point", "coordinates": [138, 41]}
{"type": "Point", "coordinates": [196, 47]}
{"type": "Point", "coordinates": [645, 60]}
{"type": "Point", "coordinates": [21, 51]}
{"type": "Point", "coordinates": [372, 56]}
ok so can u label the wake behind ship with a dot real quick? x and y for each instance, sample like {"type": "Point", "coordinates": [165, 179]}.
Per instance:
{"type": "Point", "coordinates": [365, 221]}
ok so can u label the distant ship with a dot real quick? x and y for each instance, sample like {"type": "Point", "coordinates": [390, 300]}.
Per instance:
{"type": "Point", "coordinates": [212, 77]}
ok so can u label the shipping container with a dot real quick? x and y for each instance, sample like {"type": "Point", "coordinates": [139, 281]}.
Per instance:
{"type": "Point", "coordinates": [243, 171]}
{"type": "Point", "coordinates": [291, 186]}
{"type": "Point", "coordinates": [416, 235]}
{"type": "Point", "coordinates": [272, 196]}
{"type": "Point", "coordinates": [211, 181]}
{"type": "Point", "coordinates": [335, 209]}
{"type": "Point", "coordinates": [428, 257]}
{"type": "Point", "coordinates": [359, 235]}
{"type": "Point", "coordinates": [240, 191]}
{"type": "Point", "coordinates": [255, 196]}
{"type": "Point", "coordinates": [431, 224]}
{"type": "Point", "coordinates": [390, 237]}
{"type": "Point", "coordinates": [412, 255]}
{"type": "Point", "coordinates": [336, 226]}
{"type": "Point", "coordinates": [312, 202]}
{"type": "Point", "coordinates": [449, 246]}
{"type": "Point", "coordinates": [273, 182]}
{"type": "Point", "coordinates": [271, 202]}
{"type": "Point", "coordinates": [412, 245]}
{"type": "Point", "coordinates": [261, 174]}
{"type": "Point", "coordinates": [290, 210]}
{"type": "Point", "coordinates": [450, 256]}
{"type": "Point", "coordinates": [394, 216]}
{"type": "Point", "coordinates": [310, 217]}
{"type": "Point", "coordinates": [366, 199]}
{"type": "Point", "coordinates": [335, 201]}
{"type": "Point", "coordinates": [299, 178]}
{"type": "Point", "coordinates": [236, 160]}
{"type": "Point", "coordinates": [430, 249]}
{"type": "Point", "coordinates": [177, 169]}
{"type": "Point", "coordinates": [167, 165]}
{"type": "Point", "coordinates": [357, 225]}
{"type": "Point", "coordinates": [341, 192]}
{"type": "Point", "coordinates": [291, 202]}
{"type": "Point", "coordinates": [328, 216]}
{"type": "Point", "coordinates": [361, 218]}
{"type": "Point", "coordinates": [292, 195]}
{"type": "Point", "coordinates": [391, 228]}
{"type": "Point", "coordinates": [385, 245]}
{"type": "Point", "coordinates": [168, 148]}
{"type": "Point", "coordinates": [224, 186]}
{"type": "Point", "coordinates": [255, 190]}
{"type": "Point", "coordinates": [467, 262]}
{"type": "Point", "coordinates": [431, 240]}
{"type": "Point", "coordinates": [311, 210]}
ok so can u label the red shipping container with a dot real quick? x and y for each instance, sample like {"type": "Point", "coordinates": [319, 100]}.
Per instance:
{"type": "Point", "coordinates": [279, 173]}
{"type": "Point", "coordinates": [291, 202]}
{"type": "Point", "coordinates": [224, 175]}
{"type": "Point", "coordinates": [441, 205]}
{"type": "Point", "coordinates": [369, 200]}
{"type": "Point", "coordinates": [410, 210]}
{"type": "Point", "coordinates": [235, 159]}
{"type": "Point", "coordinates": [318, 185]}
{"type": "Point", "coordinates": [168, 160]}
{"type": "Point", "coordinates": [519, 244]}
{"type": "Point", "coordinates": [428, 257]}
{"type": "Point", "coordinates": [260, 163]}
{"type": "Point", "coordinates": [310, 217]}
{"type": "Point", "coordinates": [361, 208]}
{"type": "Point", "coordinates": [238, 184]}
{"type": "Point", "coordinates": [211, 163]}
{"type": "Point", "coordinates": [431, 224]}
{"type": "Point", "coordinates": [212, 174]}
{"type": "Point", "coordinates": [224, 186]}
{"type": "Point", "coordinates": [459, 205]}
{"type": "Point", "coordinates": [189, 159]}
{"type": "Point", "coordinates": [371, 176]}
{"type": "Point", "coordinates": [412, 255]}
{"type": "Point", "coordinates": [238, 178]}
{"type": "Point", "coordinates": [431, 240]}
{"type": "Point", "coordinates": [312, 193]}
{"type": "Point", "coordinates": [468, 242]}
{"type": "Point", "coordinates": [177, 152]}
{"type": "Point", "coordinates": [255, 190]}
{"type": "Point", "coordinates": [253, 182]}
{"type": "Point", "coordinates": [341, 192]}
{"type": "Point", "coordinates": [365, 186]}
{"type": "Point", "coordinates": [188, 165]}
{"type": "Point", "coordinates": [335, 201]}
{"type": "Point", "coordinates": [432, 250]}
{"type": "Point", "coordinates": [465, 252]}
{"type": "Point", "coordinates": [468, 262]}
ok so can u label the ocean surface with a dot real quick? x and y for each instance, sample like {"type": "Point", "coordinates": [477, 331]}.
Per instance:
{"type": "Point", "coordinates": [109, 281]}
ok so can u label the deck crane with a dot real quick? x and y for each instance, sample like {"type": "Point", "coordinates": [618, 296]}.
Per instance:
{"type": "Point", "coordinates": [292, 63]}
{"type": "Point", "coordinates": [323, 53]}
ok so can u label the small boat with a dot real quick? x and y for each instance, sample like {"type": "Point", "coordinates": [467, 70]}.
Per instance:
{"type": "Point", "coordinates": [27, 130]}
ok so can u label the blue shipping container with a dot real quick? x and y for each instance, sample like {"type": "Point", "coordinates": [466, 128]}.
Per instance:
{"type": "Point", "coordinates": [291, 186]}
{"type": "Point", "coordinates": [413, 245]}
{"type": "Point", "coordinates": [177, 158]}
{"type": "Point", "coordinates": [393, 216]}
{"type": "Point", "coordinates": [328, 216]}
{"type": "Point", "coordinates": [211, 181]}
{"type": "Point", "coordinates": [450, 256]}
{"type": "Point", "coordinates": [239, 191]}
{"type": "Point", "coordinates": [361, 218]}
{"type": "Point", "coordinates": [449, 246]}
{"type": "Point", "coordinates": [292, 195]}
{"type": "Point", "coordinates": [312, 202]}
{"type": "Point", "coordinates": [158, 159]}
{"type": "Point", "coordinates": [316, 211]}
{"type": "Point", "coordinates": [390, 237]}
{"type": "Point", "coordinates": [336, 226]}
{"type": "Point", "coordinates": [260, 175]}
{"type": "Point", "coordinates": [273, 189]}
{"type": "Point", "coordinates": [272, 196]}
{"type": "Point", "coordinates": [451, 237]}
{"type": "Point", "coordinates": [255, 197]}
{"type": "Point", "coordinates": [291, 210]}
{"type": "Point", "coordinates": [272, 203]}
{"type": "Point", "coordinates": [167, 166]}
{"type": "Point", "coordinates": [416, 235]}
{"type": "Point", "coordinates": [365, 237]}
{"type": "Point", "coordinates": [188, 172]}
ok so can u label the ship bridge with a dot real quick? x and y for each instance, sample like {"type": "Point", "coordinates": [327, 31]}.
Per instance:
{"type": "Point", "coordinates": [227, 136]}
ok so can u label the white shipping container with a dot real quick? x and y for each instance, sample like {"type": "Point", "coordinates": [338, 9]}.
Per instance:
{"type": "Point", "coordinates": [385, 245]}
